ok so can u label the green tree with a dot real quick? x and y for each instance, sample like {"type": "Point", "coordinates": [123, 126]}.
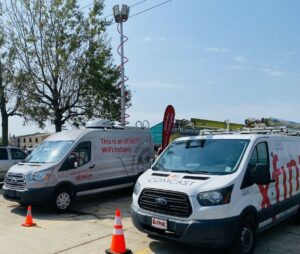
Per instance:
{"type": "Point", "coordinates": [69, 75]}
{"type": "Point", "coordinates": [10, 89]}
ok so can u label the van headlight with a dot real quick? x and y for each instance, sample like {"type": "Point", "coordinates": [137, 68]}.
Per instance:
{"type": "Point", "coordinates": [40, 175]}
{"type": "Point", "coordinates": [215, 197]}
{"type": "Point", "coordinates": [137, 188]}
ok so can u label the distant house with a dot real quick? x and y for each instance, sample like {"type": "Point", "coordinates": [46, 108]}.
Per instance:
{"type": "Point", "coordinates": [28, 141]}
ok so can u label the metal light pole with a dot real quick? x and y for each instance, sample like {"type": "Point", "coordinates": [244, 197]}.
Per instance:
{"type": "Point", "coordinates": [121, 15]}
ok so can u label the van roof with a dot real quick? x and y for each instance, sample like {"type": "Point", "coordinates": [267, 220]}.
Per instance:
{"type": "Point", "coordinates": [239, 136]}
{"type": "Point", "coordinates": [78, 133]}
{"type": "Point", "coordinates": [69, 135]}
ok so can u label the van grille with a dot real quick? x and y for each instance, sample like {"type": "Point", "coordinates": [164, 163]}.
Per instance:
{"type": "Point", "coordinates": [165, 202]}
{"type": "Point", "coordinates": [15, 181]}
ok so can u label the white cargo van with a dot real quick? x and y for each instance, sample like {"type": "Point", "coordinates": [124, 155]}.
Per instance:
{"type": "Point", "coordinates": [79, 162]}
{"type": "Point", "coordinates": [219, 190]}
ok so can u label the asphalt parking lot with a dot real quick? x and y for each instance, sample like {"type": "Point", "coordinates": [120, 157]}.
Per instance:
{"type": "Point", "coordinates": [87, 228]}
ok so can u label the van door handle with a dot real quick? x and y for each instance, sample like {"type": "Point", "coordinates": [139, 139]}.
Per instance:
{"type": "Point", "coordinates": [92, 166]}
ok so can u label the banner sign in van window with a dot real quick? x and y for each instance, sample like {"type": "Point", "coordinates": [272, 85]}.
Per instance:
{"type": "Point", "coordinates": [168, 123]}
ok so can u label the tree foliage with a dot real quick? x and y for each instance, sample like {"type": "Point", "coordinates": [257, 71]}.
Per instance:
{"type": "Point", "coordinates": [68, 74]}
{"type": "Point", "coordinates": [10, 84]}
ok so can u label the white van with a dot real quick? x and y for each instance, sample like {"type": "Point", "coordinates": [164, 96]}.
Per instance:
{"type": "Point", "coordinates": [80, 162]}
{"type": "Point", "coordinates": [219, 190]}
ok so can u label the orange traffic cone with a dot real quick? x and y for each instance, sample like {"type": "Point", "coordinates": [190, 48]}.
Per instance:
{"type": "Point", "coordinates": [118, 241]}
{"type": "Point", "coordinates": [28, 221]}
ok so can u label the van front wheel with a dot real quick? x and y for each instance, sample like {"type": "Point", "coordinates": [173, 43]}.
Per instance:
{"type": "Point", "coordinates": [245, 238]}
{"type": "Point", "coordinates": [62, 200]}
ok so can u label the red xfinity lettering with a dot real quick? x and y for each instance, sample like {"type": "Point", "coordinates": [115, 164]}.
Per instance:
{"type": "Point", "coordinates": [264, 192]}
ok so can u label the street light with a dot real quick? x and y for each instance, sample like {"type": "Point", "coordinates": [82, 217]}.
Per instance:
{"type": "Point", "coordinates": [121, 14]}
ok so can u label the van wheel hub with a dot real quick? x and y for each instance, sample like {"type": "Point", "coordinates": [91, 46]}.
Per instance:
{"type": "Point", "coordinates": [63, 200]}
{"type": "Point", "coordinates": [246, 239]}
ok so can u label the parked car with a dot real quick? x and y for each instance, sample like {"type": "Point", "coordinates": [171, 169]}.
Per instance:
{"type": "Point", "coordinates": [9, 156]}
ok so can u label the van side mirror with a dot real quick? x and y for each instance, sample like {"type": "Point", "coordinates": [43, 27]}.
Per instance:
{"type": "Point", "coordinates": [261, 174]}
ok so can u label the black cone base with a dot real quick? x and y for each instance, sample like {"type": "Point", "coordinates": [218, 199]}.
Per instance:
{"type": "Point", "coordinates": [108, 251]}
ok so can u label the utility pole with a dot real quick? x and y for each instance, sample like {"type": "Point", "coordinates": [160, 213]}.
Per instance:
{"type": "Point", "coordinates": [121, 15]}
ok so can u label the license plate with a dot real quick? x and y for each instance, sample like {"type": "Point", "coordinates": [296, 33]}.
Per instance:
{"type": "Point", "coordinates": [159, 223]}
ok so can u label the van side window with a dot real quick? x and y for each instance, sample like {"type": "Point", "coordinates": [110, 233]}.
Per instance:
{"type": "Point", "coordinates": [253, 160]}
{"type": "Point", "coordinates": [17, 154]}
{"type": "Point", "coordinates": [262, 151]}
{"type": "Point", "coordinates": [81, 154]}
{"type": "Point", "coordinates": [3, 154]}
{"type": "Point", "coordinates": [259, 155]}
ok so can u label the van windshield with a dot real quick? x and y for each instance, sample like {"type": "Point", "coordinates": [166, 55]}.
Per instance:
{"type": "Point", "coordinates": [49, 152]}
{"type": "Point", "coordinates": [202, 156]}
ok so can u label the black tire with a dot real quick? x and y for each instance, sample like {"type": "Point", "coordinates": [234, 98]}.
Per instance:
{"type": "Point", "coordinates": [23, 204]}
{"type": "Point", "coordinates": [62, 200]}
{"type": "Point", "coordinates": [245, 240]}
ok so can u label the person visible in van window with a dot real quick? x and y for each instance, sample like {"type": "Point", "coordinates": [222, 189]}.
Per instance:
{"type": "Point", "coordinates": [159, 150]}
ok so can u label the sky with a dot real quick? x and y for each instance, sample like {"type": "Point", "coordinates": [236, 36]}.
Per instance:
{"type": "Point", "coordinates": [211, 59]}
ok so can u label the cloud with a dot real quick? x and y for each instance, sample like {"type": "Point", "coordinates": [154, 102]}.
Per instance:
{"type": "Point", "coordinates": [273, 72]}
{"type": "Point", "coordinates": [241, 59]}
{"type": "Point", "coordinates": [218, 50]}
{"type": "Point", "coordinates": [157, 84]}
{"type": "Point", "coordinates": [154, 39]}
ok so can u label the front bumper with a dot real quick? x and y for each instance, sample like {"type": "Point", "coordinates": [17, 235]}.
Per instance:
{"type": "Point", "coordinates": [30, 196]}
{"type": "Point", "coordinates": [207, 233]}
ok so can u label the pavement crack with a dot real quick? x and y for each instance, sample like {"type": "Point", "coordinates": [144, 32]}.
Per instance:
{"type": "Point", "coordinates": [73, 247]}
{"type": "Point", "coordinates": [81, 213]}
{"type": "Point", "coordinates": [82, 244]}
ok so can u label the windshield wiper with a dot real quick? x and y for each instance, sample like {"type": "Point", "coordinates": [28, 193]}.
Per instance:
{"type": "Point", "coordinates": [35, 162]}
{"type": "Point", "coordinates": [191, 171]}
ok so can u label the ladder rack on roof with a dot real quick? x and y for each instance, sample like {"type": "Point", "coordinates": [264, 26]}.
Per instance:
{"type": "Point", "coordinates": [216, 131]}
{"type": "Point", "coordinates": [283, 130]}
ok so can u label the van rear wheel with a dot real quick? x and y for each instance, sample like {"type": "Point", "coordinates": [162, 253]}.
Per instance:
{"type": "Point", "coordinates": [62, 200]}
{"type": "Point", "coordinates": [245, 240]}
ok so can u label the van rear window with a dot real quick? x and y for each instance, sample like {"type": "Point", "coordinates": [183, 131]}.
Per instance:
{"type": "Point", "coordinates": [207, 156]}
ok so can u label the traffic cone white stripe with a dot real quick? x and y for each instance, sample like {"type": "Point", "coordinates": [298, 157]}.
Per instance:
{"type": "Point", "coordinates": [118, 221]}
{"type": "Point", "coordinates": [117, 231]}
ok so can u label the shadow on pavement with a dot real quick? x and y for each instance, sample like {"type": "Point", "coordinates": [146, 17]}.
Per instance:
{"type": "Point", "coordinates": [91, 207]}
{"type": "Point", "coordinates": [166, 247]}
